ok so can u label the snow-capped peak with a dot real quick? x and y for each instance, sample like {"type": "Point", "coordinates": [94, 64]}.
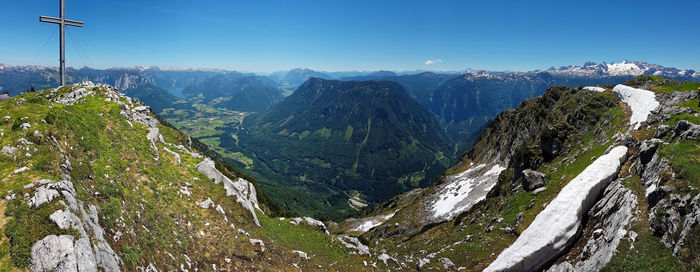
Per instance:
{"type": "Point", "coordinates": [624, 68]}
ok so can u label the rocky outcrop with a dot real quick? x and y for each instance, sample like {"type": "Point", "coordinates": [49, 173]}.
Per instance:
{"type": "Point", "coordinates": [74, 96]}
{"type": "Point", "coordinates": [88, 251]}
{"type": "Point", "coordinates": [692, 219]}
{"type": "Point", "coordinates": [673, 213]}
{"type": "Point", "coordinates": [242, 189]}
{"type": "Point", "coordinates": [354, 244]}
{"type": "Point", "coordinates": [686, 130]}
{"type": "Point", "coordinates": [311, 222]}
{"type": "Point", "coordinates": [610, 218]}
{"type": "Point", "coordinates": [301, 254]}
{"type": "Point", "coordinates": [650, 175]}
{"type": "Point", "coordinates": [668, 100]}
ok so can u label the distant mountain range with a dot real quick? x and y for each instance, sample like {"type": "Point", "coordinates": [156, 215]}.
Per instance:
{"type": "Point", "coordinates": [236, 91]}
{"type": "Point", "coordinates": [298, 76]}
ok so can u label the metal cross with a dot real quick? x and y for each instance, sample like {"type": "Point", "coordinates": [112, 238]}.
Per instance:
{"type": "Point", "coordinates": [62, 23]}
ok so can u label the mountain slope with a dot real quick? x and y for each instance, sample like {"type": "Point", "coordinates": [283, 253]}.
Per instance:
{"type": "Point", "coordinates": [467, 103]}
{"type": "Point", "coordinates": [627, 225]}
{"type": "Point", "coordinates": [370, 137]}
{"type": "Point", "coordinates": [93, 180]}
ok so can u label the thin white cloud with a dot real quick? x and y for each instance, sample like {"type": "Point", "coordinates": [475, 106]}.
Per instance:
{"type": "Point", "coordinates": [429, 62]}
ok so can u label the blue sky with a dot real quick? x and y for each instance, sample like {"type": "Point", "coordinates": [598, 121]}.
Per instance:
{"type": "Point", "coordinates": [265, 36]}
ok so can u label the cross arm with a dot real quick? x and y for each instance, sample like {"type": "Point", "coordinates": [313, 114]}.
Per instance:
{"type": "Point", "coordinates": [53, 20]}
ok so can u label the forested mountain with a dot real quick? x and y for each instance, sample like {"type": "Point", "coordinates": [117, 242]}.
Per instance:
{"type": "Point", "coordinates": [368, 137]}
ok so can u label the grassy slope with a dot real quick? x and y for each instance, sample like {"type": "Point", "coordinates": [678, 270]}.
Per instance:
{"type": "Point", "coordinates": [114, 168]}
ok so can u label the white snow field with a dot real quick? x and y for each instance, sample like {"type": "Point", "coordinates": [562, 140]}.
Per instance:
{"type": "Point", "coordinates": [642, 102]}
{"type": "Point", "coordinates": [594, 88]}
{"type": "Point", "coordinates": [553, 228]}
{"type": "Point", "coordinates": [365, 224]}
{"type": "Point", "coordinates": [460, 192]}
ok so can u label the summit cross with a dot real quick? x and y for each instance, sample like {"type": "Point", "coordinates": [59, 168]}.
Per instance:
{"type": "Point", "coordinates": [62, 22]}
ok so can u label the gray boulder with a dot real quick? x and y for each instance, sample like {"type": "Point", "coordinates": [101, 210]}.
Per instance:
{"type": "Point", "coordinates": [692, 133]}
{"type": "Point", "coordinates": [54, 253]}
{"type": "Point", "coordinates": [681, 127]}
{"type": "Point", "coordinates": [533, 179]}
{"type": "Point", "coordinates": [627, 140]}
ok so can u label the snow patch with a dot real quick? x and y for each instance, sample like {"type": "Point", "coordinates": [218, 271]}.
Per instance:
{"type": "Point", "coordinates": [463, 190]}
{"type": "Point", "coordinates": [365, 224]}
{"type": "Point", "coordinates": [594, 88]}
{"type": "Point", "coordinates": [642, 102]}
{"type": "Point", "coordinates": [560, 221]}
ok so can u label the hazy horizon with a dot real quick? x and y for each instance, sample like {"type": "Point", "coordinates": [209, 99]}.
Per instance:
{"type": "Point", "coordinates": [468, 69]}
{"type": "Point", "coordinates": [265, 37]}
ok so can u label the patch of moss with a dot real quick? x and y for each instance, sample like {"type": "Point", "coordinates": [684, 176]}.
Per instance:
{"type": "Point", "coordinates": [677, 86]}
{"type": "Point", "coordinates": [684, 158]}
{"type": "Point", "coordinates": [27, 226]}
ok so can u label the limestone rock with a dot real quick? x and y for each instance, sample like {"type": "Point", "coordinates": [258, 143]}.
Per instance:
{"type": "Point", "coordinates": [64, 219]}
{"type": "Point", "coordinates": [681, 127]}
{"type": "Point", "coordinates": [648, 149]}
{"type": "Point", "coordinates": [243, 190]}
{"type": "Point", "coordinates": [74, 96]}
{"type": "Point", "coordinates": [611, 217]}
{"type": "Point", "coordinates": [89, 253]}
{"type": "Point", "coordinates": [42, 195]}
{"type": "Point", "coordinates": [692, 220]}
{"type": "Point", "coordinates": [533, 179]}
{"type": "Point", "coordinates": [385, 258]}
{"type": "Point", "coordinates": [259, 243]}
{"type": "Point", "coordinates": [206, 204]}
{"type": "Point", "coordinates": [446, 263]}
{"type": "Point", "coordinates": [627, 140]}
{"type": "Point", "coordinates": [354, 244]}
{"type": "Point", "coordinates": [301, 254]}
{"type": "Point", "coordinates": [662, 131]}
{"type": "Point", "coordinates": [54, 253]}
{"type": "Point", "coordinates": [692, 133]}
